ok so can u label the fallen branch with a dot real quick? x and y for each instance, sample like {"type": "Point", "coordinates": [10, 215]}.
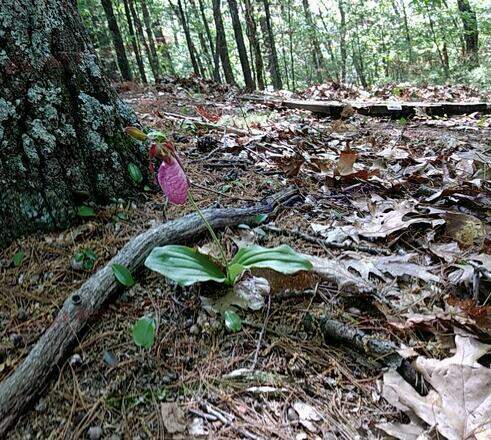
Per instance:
{"type": "Point", "coordinates": [392, 109]}
{"type": "Point", "coordinates": [25, 383]}
{"type": "Point", "coordinates": [385, 352]}
{"type": "Point", "coordinates": [200, 123]}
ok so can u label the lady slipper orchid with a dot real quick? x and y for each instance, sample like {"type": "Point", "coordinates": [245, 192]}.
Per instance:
{"type": "Point", "coordinates": [171, 176]}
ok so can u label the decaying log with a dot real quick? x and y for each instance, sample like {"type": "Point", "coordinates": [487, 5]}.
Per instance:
{"type": "Point", "coordinates": [25, 383]}
{"type": "Point", "coordinates": [391, 109]}
{"type": "Point", "coordinates": [385, 352]}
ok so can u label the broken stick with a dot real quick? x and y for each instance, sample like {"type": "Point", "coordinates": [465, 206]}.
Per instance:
{"type": "Point", "coordinates": [28, 379]}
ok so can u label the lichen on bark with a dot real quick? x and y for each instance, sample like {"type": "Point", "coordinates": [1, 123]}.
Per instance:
{"type": "Point", "coordinates": [61, 124]}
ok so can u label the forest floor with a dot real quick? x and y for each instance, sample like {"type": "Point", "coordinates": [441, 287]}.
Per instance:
{"type": "Point", "coordinates": [401, 206]}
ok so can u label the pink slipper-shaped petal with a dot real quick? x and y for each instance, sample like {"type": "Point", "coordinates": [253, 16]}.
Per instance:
{"type": "Point", "coordinates": [173, 182]}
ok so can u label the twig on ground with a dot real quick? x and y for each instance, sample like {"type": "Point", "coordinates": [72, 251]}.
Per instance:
{"type": "Point", "coordinates": [260, 339]}
{"type": "Point", "coordinates": [321, 242]}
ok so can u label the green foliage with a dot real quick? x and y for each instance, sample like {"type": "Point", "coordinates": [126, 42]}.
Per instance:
{"type": "Point", "coordinates": [87, 257]}
{"type": "Point", "coordinates": [85, 211]}
{"type": "Point", "coordinates": [232, 321]}
{"type": "Point", "coordinates": [187, 266]}
{"type": "Point", "coordinates": [135, 173]}
{"type": "Point", "coordinates": [18, 258]}
{"type": "Point", "coordinates": [144, 332]}
{"type": "Point", "coordinates": [123, 275]}
{"type": "Point", "coordinates": [183, 265]}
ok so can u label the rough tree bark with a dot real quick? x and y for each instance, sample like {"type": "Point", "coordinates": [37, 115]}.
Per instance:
{"type": "Point", "coordinates": [25, 383]}
{"type": "Point", "coordinates": [124, 66]}
{"type": "Point", "coordinates": [239, 39]}
{"type": "Point", "coordinates": [256, 47]}
{"type": "Point", "coordinates": [61, 124]}
{"type": "Point", "coordinates": [342, 40]}
{"type": "Point", "coordinates": [267, 29]}
{"type": "Point", "coordinates": [471, 33]}
{"type": "Point", "coordinates": [134, 43]}
{"type": "Point", "coordinates": [221, 43]}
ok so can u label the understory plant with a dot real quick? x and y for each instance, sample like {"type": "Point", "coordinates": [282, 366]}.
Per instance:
{"type": "Point", "coordinates": [186, 266]}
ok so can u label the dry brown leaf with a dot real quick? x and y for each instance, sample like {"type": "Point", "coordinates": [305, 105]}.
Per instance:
{"type": "Point", "coordinates": [466, 229]}
{"type": "Point", "coordinates": [458, 406]}
{"type": "Point", "coordinates": [173, 417]}
{"type": "Point", "coordinates": [345, 163]}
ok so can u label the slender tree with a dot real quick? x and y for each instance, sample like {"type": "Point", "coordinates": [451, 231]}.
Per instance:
{"type": "Point", "coordinates": [342, 39]}
{"type": "Point", "coordinates": [204, 47]}
{"type": "Point", "coordinates": [123, 64]}
{"type": "Point", "coordinates": [134, 43]}
{"type": "Point", "coordinates": [151, 40]}
{"type": "Point", "coordinates": [239, 39]}
{"type": "Point", "coordinates": [141, 36]}
{"type": "Point", "coordinates": [214, 52]}
{"type": "Point", "coordinates": [471, 32]}
{"type": "Point", "coordinates": [254, 40]}
{"type": "Point", "coordinates": [317, 57]}
{"type": "Point", "coordinates": [221, 43]}
{"type": "Point", "coordinates": [267, 29]}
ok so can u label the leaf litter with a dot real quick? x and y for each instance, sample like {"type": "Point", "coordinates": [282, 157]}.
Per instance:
{"type": "Point", "coordinates": [394, 216]}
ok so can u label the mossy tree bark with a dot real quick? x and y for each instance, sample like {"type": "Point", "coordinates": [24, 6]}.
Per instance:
{"type": "Point", "coordinates": [61, 124]}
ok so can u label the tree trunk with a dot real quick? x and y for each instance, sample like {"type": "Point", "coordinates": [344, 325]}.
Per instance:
{"type": "Point", "coordinates": [317, 58]}
{"type": "Point", "coordinates": [239, 39]}
{"type": "Point", "coordinates": [267, 29]}
{"type": "Point", "coordinates": [215, 55]}
{"type": "Point", "coordinates": [61, 124]}
{"type": "Point", "coordinates": [202, 42]}
{"type": "Point", "coordinates": [141, 35]}
{"type": "Point", "coordinates": [124, 66]}
{"type": "Point", "coordinates": [256, 47]}
{"type": "Point", "coordinates": [151, 40]}
{"type": "Point", "coordinates": [160, 40]}
{"type": "Point", "coordinates": [471, 33]}
{"type": "Point", "coordinates": [134, 43]}
{"type": "Point", "coordinates": [179, 12]}
{"type": "Point", "coordinates": [342, 40]}
{"type": "Point", "coordinates": [221, 43]}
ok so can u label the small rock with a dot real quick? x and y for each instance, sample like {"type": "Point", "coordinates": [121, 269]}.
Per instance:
{"type": "Point", "coordinates": [95, 432]}
{"type": "Point", "coordinates": [16, 339]}
{"type": "Point", "coordinates": [40, 406]}
{"type": "Point", "coordinates": [76, 361]}
{"type": "Point", "coordinates": [22, 315]}
{"type": "Point", "coordinates": [291, 414]}
{"type": "Point", "coordinates": [195, 330]}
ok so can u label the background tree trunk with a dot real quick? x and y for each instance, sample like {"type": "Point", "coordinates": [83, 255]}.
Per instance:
{"type": "Point", "coordinates": [267, 28]}
{"type": "Point", "coordinates": [317, 58]}
{"type": "Point", "coordinates": [221, 43]}
{"type": "Point", "coordinates": [124, 66]}
{"type": "Point", "coordinates": [256, 47]}
{"type": "Point", "coordinates": [342, 40]}
{"type": "Point", "coordinates": [151, 40]}
{"type": "Point", "coordinates": [239, 39]}
{"type": "Point", "coordinates": [134, 43]}
{"type": "Point", "coordinates": [214, 52]}
{"type": "Point", "coordinates": [61, 124]}
{"type": "Point", "coordinates": [471, 33]}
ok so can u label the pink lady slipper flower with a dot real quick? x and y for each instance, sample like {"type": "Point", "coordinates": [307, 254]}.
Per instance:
{"type": "Point", "coordinates": [171, 176]}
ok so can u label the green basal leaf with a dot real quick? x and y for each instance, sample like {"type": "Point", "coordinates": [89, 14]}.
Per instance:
{"type": "Point", "coordinates": [123, 275]}
{"type": "Point", "coordinates": [135, 173]}
{"type": "Point", "coordinates": [79, 256]}
{"type": "Point", "coordinates": [88, 264]}
{"type": "Point", "coordinates": [232, 321]}
{"type": "Point", "coordinates": [183, 265]}
{"type": "Point", "coordinates": [234, 271]}
{"type": "Point", "coordinates": [85, 211]}
{"type": "Point", "coordinates": [18, 258]}
{"type": "Point", "coordinates": [144, 332]}
{"type": "Point", "coordinates": [281, 259]}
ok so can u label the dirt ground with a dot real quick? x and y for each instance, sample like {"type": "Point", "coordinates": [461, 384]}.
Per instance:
{"type": "Point", "coordinates": [422, 168]}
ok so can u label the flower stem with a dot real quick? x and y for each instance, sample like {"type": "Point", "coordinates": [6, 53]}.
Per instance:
{"type": "Point", "coordinates": [210, 230]}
